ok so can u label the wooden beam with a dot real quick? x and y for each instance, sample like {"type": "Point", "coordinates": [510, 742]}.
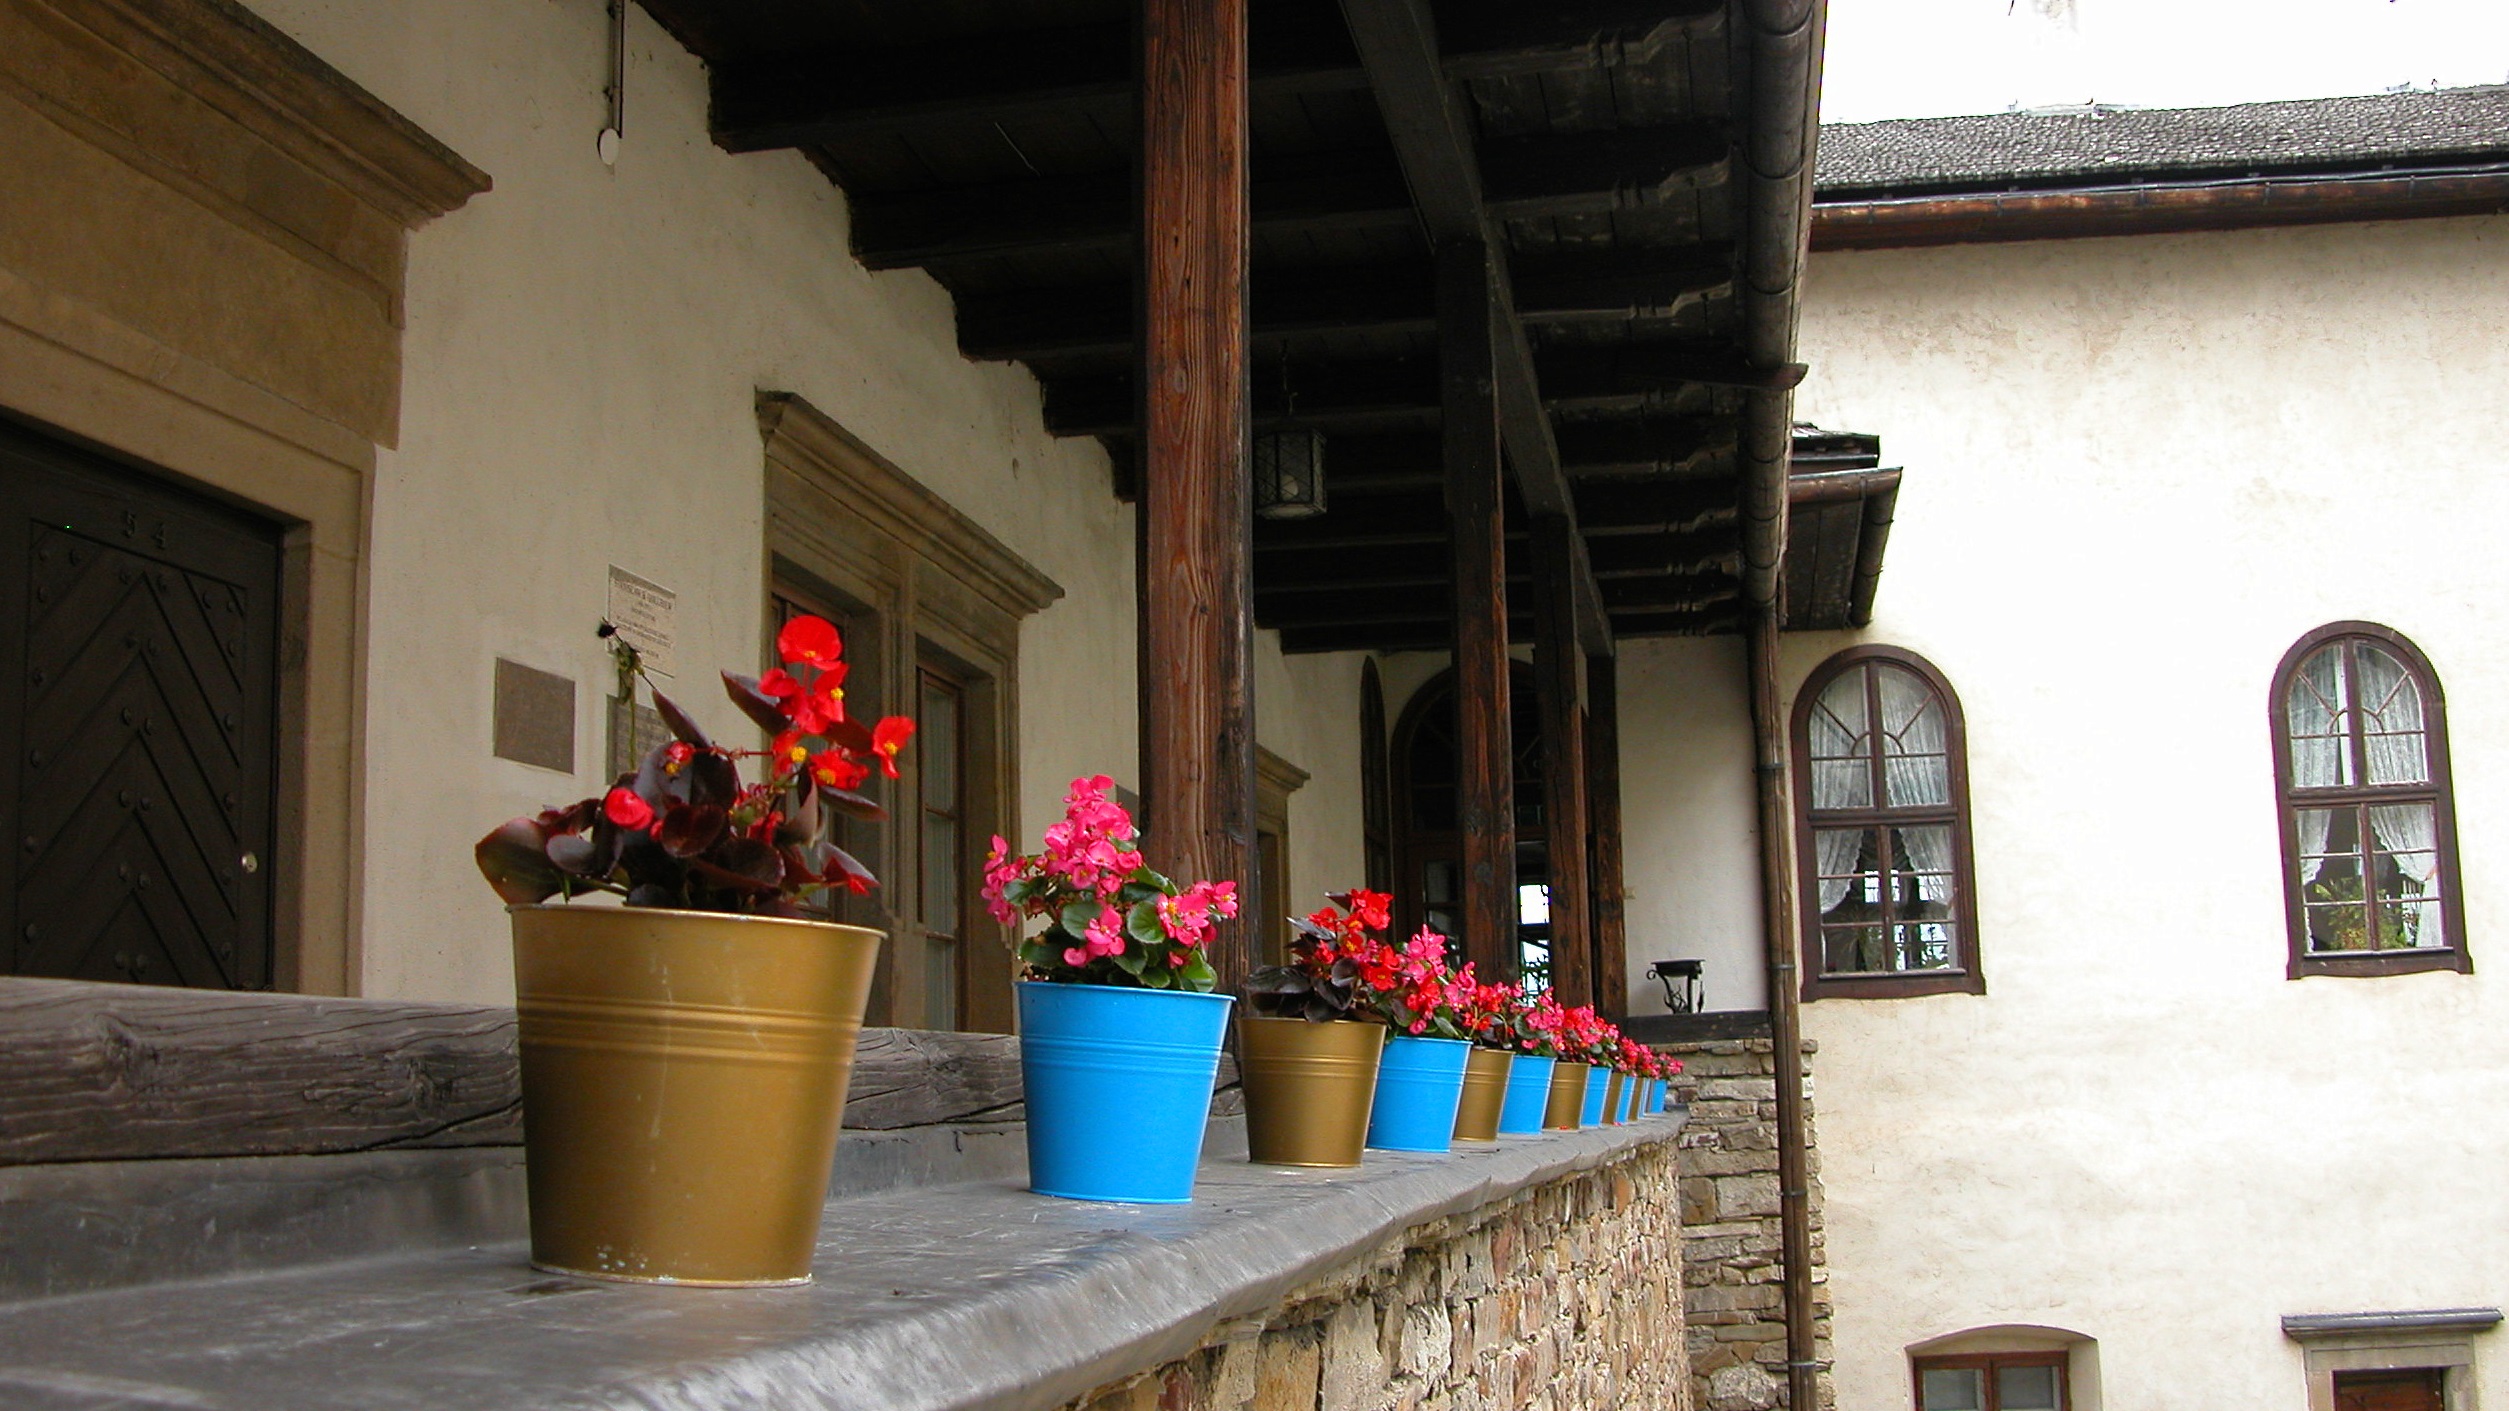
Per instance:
{"type": "Point", "coordinates": [1607, 905]}
{"type": "Point", "coordinates": [854, 92]}
{"type": "Point", "coordinates": [1476, 512]}
{"type": "Point", "coordinates": [1557, 174]}
{"type": "Point", "coordinates": [1559, 670]}
{"type": "Point", "coordinates": [1389, 394]}
{"type": "Point", "coordinates": [1433, 137]}
{"type": "Point", "coordinates": [1195, 683]}
{"type": "Point", "coordinates": [1096, 321]}
{"type": "Point", "coordinates": [1094, 212]}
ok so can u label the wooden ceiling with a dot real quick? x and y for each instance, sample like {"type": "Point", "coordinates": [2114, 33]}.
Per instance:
{"type": "Point", "coordinates": [991, 143]}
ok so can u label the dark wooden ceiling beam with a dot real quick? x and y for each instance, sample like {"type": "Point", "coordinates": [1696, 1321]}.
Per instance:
{"type": "Point", "coordinates": [1070, 214]}
{"type": "Point", "coordinates": [1558, 174]}
{"type": "Point", "coordinates": [1433, 138]}
{"type": "Point", "coordinates": [846, 94]}
{"type": "Point", "coordinates": [1390, 394]}
{"type": "Point", "coordinates": [1095, 321]}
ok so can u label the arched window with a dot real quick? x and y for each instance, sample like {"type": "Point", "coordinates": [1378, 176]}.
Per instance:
{"type": "Point", "coordinates": [1882, 829]}
{"type": "Point", "coordinates": [2369, 835]}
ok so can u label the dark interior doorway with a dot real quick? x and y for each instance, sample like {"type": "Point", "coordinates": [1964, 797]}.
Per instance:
{"type": "Point", "coordinates": [2417, 1389]}
{"type": "Point", "coordinates": [140, 624]}
{"type": "Point", "coordinates": [1428, 848]}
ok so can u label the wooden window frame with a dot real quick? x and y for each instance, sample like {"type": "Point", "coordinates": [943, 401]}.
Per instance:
{"type": "Point", "coordinates": [2439, 792]}
{"type": "Point", "coordinates": [1990, 1363]}
{"type": "Point", "coordinates": [932, 585]}
{"type": "Point", "coordinates": [1968, 975]}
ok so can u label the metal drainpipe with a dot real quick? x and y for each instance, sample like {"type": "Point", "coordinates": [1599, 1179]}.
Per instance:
{"type": "Point", "coordinates": [1782, 42]}
{"type": "Point", "coordinates": [1778, 906]}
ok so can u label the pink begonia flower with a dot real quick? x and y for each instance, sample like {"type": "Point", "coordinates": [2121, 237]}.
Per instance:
{"type": "Point", "coordinates": [1176, 959]}
{"type": "Point", "coordinates": [1106, 934]}
{"type": "Point", "coordinates": [1075, 957]}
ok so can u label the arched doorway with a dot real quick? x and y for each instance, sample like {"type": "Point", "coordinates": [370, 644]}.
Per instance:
{"type": "Point", "coordinates": [1428, 843]}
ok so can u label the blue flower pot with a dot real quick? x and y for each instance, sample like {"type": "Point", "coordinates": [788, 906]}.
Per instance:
{"type": "Point", "coordinates": [1528, 1090]}
{"type": "Point", "coordinates": [1419, 1085]}
{"type": "Point", "coordinates": [1629, 1099]}
{"type": "Point", "coordinates": [1655, 1097]}
{"type": "Point", "coordinates": [1119, 1087]}
{"type": "Point", "coordinates": [1598, 1085]}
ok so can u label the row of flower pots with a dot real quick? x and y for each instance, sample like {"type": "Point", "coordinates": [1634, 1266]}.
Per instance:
{"type": "Point", "coordinates": [686, 1053]}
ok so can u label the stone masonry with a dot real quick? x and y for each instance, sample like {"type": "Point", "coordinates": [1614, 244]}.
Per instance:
{"type": "Point", "coordinates": [1562, 1298]}
{"type": "Point", "coordinates": [1733, 1300]}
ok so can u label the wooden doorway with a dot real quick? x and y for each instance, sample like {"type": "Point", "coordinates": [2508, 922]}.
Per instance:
{"type": "Point", "coordinates": [2412, 1389]}
{"type": "Point", "coordinates": [140, 623]}
{"type": "Point", "coordinates": [1428, 848]}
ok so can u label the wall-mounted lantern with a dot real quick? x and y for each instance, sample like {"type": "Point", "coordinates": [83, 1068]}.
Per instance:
{"type": "Point", "coordinates": [1289, 474]}
{"type": "Point", "coordinates": [1682, 983]}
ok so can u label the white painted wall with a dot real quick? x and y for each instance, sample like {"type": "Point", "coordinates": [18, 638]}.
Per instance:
{"type": "Point", "coordinates": [582, 350]}
{"type": "Point", "coordinates": [2137, 471]}
{"type": "Point", "coordinates": [1690, 819]}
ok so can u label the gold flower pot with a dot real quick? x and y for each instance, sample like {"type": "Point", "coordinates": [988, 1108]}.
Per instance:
{"type": "Point", "coordinates": [1308, 1088]}
{"type": "Point", "coordinates": [1485, 1092]}
{"type": "Point", "coordinates": [1566, 1110]}
{"type": "Point", "coordinates": [684, 1074]}
{"type": "Point", "coordinates": [1611, 1100]}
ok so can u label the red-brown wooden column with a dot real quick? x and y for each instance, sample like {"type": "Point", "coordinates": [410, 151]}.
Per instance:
{"type": "Point", "coordinates": [1197, 713]}
{"type": "Point", "coordinates": [1559, 666]}
{"type": "Point", "coordinates": [1476, 511]}
{"type": "Point", "coordinates": [1605, 906]}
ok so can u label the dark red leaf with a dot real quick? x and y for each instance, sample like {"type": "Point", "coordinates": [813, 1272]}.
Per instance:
{"type": "Point", "coordinates": [843, 865]}
{"type": "Point", "coordinates": [744, 864]}
{"type": "Point", "coordinates": [690, 829]}
{"type": "Point", "coordinates": [679, 722]}
{"type": "Point", "coordinates": [850, 735]}
{"type": "Point", "coordinates": [710, 779]}
{"type": "Point", "coordinates": [515, 860]}
{"type": "Point", "coordinates": [754, 703]}
{"type": "Point", "coordinates": [854, 805]}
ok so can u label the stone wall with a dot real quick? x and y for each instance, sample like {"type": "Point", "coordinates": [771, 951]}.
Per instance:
{"type": "Point", "coordinates": [1561, 1298]}
{"type": "Point", "coordinates": [1733, 1301]}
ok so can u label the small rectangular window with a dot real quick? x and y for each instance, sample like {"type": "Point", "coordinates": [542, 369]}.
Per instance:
{"type": "Point", "coordinates": [1993, 1381]}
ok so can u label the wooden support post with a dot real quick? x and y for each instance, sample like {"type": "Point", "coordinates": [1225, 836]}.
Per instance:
{"type": "Point", "coordinates": [1197, 618]}
{"type": "Point", "coordinates": [1605, 912]}
{"type": "Point", "coordinates": [1559, 669]}
{"type": "Point", "coordinates": [1486, 798]}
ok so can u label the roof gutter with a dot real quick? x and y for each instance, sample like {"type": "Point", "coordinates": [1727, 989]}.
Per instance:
{"type": "Point", "coordinates": [1783, 42]}
{"type": "Point", "coordinates": [2154, 207]}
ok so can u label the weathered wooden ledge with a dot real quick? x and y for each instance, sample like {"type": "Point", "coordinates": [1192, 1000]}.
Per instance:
{"type": "Point", "coordinates": [970, 1297]}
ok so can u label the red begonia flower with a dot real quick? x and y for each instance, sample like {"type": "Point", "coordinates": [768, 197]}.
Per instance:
{"type": "Point", "coordinates": [888, 737]}
{"type": "Point", "coordinates": [623, 808]}
{"type": "Point", "coordinates": [837, 772]}
{"type": "Point", "coordinates": [811, 641]}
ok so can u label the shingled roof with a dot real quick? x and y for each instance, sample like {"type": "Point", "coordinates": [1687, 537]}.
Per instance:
{"type": "Point", "coordinates": [2102, 146]}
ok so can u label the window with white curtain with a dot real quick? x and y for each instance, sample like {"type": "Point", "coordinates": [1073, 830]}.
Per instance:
{"type": "Point", "coordinates": [1883, 823]}
{"type": "Point", "coordinates": [2369, 834]}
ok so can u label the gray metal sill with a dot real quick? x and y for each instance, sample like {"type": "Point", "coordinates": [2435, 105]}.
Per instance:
{"type": "Point", "coordinates": [974, 1295]}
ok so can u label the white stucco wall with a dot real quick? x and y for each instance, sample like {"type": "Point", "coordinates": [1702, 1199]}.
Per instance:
{"type": "Point", "coordinates": [1690, 820]}
{"type": "Point", "coordinates": [582, 350]}
{"type": "Point", "coordinates": [2137, 471]}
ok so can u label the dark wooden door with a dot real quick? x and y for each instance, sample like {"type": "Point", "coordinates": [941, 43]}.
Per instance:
{"type": "Point", "coordinates": [141, 624]}
{"type": "Point", "coordinates": [2419, 1389]}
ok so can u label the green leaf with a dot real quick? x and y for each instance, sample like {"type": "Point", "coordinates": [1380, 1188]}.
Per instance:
{"type": "Point", "coordinates": [1142, 923]}
{"type": "Point", "coordinates": [1198, 976]}
{"type": "Point", "coordinates": [1077, 916]}
{"type": "Point", "coordinates": [1038, 955]}
{"type": "Point", "coordinates": [1131, 960]}
{"type": "Point", "coordinates": [1156, 978]}
{"type": "Point", "coordinates": [1137, 892]}
{"type": "Point", "coordinates": [1017, 892]}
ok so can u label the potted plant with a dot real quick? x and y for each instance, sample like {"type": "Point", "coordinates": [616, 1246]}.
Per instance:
{"type": "Point", "coordinates": [1119, 1033]}
{"type": "Point", "coordinates": [1308, 1045]}
{"type": "Point", "coordinates": [1586, 1037]}
{"type": "Point", "coordinates": [1528, 1030]}
{"type": "Point", "coordinates": [1420, 1081]}
{"type": "Point", "coordinates": [1486, 1015]}
{"type": "Point", "coordinates": [685, 1055]}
